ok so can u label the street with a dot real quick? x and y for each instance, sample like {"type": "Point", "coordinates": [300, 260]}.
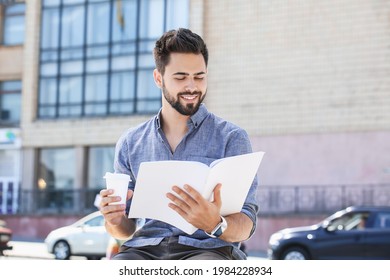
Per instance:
{"type": "Point", "coordinates": [28, 250]}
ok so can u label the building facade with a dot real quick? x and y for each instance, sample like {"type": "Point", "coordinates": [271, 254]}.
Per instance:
{"type": "Point", "coordinates": [309, 81]}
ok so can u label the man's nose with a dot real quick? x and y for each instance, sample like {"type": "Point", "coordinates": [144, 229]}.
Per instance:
{"type": "Point", "coordinates": [191, 86]}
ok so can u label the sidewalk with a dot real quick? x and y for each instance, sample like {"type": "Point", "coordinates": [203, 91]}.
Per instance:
{"type": "Point", "coordinates": [24, 249]}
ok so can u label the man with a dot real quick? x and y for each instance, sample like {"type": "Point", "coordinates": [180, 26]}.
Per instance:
{"type": "Point", "coordinates": [183, 130]}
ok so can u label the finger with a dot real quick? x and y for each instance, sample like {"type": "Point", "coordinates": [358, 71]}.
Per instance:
{"type": "Point", "coordinates": [217, 196]}
{"type": "Point", "coordinates": [112, 209]}
{"type": "Point", "coordinates": [178, 210]}
{"type": "Point", "coordinates": [178, 202]}
{"type": "Point", "coordinates": [129, 194]}
{"type": "Point", "coordinates": [191, 202]}
{"type": "Point", "coordinates": [106, 200]}
{"type": "Point", "coordinates": [193, 193]}
{"type": "Point", "coordinates": [106, 192]}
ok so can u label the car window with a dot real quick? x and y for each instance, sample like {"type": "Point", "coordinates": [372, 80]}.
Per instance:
{"type": "Point", "coordinates": [382, 220]}
{"type": "Point", "coordinates": [95, 222]}
{"type": "Point", "coordinates": [350, 221]}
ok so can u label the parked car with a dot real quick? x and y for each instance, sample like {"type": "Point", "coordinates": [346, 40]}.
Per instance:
{"type": "Point", "coordinates": [86, 237]}
{"type": "Point", "coordinates": [5, 237]}
{"type": "Point", "coordinates": [352, 233]}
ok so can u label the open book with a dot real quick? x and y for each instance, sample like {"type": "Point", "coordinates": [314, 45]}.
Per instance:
{"type": "Point", "coordinates": [156, 178]}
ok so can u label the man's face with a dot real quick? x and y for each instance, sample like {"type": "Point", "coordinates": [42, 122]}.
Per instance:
{"type": "Point", "coordinates": [184, 83]}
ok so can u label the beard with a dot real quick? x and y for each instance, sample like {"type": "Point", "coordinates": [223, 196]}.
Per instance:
{"type": "Point", "coordinates": [188, 109]}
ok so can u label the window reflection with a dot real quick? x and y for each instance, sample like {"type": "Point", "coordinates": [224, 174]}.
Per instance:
{"type": "Point", "coordinates": [98, 27]}
{"type": "Point", "coordinates": [10, 103]}
{"type": "Point", "coordinates": [13, 33]}
{"type": "Point", "coordinates": [352, 221]}
{"type": "Point", "coordinates": [72, 32]}
{"type": "Point", "coordinates": [100, 161]}
{"type": "Point", "coordinates": [56, 175]}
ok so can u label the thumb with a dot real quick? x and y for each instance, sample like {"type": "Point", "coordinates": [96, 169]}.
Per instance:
{"type": "Point", "coordinates": [217, 196]}
{"type": "Point", "coordinates": [129, 194]}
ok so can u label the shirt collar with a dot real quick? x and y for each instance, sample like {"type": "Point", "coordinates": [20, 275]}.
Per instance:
{"type": "Point", "coordinates": [199, 116]}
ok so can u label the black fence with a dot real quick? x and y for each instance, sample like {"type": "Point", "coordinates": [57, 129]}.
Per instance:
{"type": "Point", "coordinates": [273, 200]}
{"type": "Point", "coordinates": [323, 199]}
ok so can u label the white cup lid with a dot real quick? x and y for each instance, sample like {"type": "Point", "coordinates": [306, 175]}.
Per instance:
{"type": "Point", "coordinates": [117, 176]}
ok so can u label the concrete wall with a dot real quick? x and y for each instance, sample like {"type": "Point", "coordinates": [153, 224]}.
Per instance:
{"type": "Point", "coordinates": [325, 159]}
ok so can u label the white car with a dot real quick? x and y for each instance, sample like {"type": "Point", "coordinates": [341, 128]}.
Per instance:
{"type": "Point", "coordinates": [86, 237]}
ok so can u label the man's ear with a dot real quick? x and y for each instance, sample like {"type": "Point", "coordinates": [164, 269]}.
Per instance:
{"type": "Point", "coordinates": [158, 78]}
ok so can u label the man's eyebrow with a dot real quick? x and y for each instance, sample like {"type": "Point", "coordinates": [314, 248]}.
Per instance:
{"type": "Point", "coordinates": [187, 74]}
{"type": "Point", "coordinates": [181, 73]}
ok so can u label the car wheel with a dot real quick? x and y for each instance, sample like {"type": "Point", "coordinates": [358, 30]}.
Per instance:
{"type": "Point", "coordinates": [295, 253]}
{"type": "Point", "coordinates": [61, 250]}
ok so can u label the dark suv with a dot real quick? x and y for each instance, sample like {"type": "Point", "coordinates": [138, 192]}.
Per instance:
{"type": "Point", "coordinates": [352, 233]}
{"type": "Point", "coordinates": [5, 236]}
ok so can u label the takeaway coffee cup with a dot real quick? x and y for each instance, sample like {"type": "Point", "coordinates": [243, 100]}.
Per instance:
{"type": "Point", "coordinates": [119, 183]}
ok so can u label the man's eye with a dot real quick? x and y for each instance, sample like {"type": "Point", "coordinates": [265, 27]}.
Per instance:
{"type": "Point", "coordinates": [199, 78]}
{"type": "Point", "coordinates": [180, 78]}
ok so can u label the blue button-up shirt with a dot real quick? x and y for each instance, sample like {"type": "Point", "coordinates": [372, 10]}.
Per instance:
{"type": "Point", "coordinates": [208, 138]}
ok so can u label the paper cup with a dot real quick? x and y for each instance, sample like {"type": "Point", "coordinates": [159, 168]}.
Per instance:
{"type": "Point", "coordinates": [119, 183]}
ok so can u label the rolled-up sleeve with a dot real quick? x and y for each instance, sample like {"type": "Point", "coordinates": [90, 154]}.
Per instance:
{"type": "Point", "coordinates": [239, 143]}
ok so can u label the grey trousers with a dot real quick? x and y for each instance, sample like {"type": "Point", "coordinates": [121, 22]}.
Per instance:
{"type": "Point", "coordinates": [170, 249]}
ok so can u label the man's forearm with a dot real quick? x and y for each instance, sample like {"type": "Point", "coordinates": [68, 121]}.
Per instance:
{"type": "Point", "coordinates": [238, 229]}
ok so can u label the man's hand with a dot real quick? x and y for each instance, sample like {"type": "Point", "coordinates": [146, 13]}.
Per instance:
{"type": "Point", "coordinates": [196, 210]}
{"type": "Point", "coordinates": [113, 214]}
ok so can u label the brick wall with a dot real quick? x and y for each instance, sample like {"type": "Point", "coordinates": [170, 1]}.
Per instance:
{"type": "Point", "coordinates": [286, 67]}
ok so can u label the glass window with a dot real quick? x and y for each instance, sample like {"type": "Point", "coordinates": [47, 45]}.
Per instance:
{"type": "Point", "coordinates": [100, 161]}
{"type": "Point", "coordinates": [382, 221]}
{"type": "Point", "coordinates": [56, 177]}
{"type": "Point", "coordinates": [122, 97]}
{"type": "Point", "coordinates": [151, 19]}
{"type": "Point", "coordinates": [98, 19]}
{"type": "Point", "coordinates": [148, 93]}
{"type": "Point", "coordinates": [72, 23]}
{"type": "Point", "coordinates": [124, 21]}
{"type": "Point", "coordinates": [55, 169]}
{"type": "Point", "coordinates": [95, 222]}
{"type": "Point", "coordinates": [96, 56]}
{"type": "Point", "coordinates": [96, 95]}
{"type": "Point", "coordinates": [10, 102]}
{"type": "Point", "coordinates": [13, 33]}
{"type": "Point", "coordinates": [50, 29]}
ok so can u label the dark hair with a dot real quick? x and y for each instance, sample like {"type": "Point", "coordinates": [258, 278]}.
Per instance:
{"type": "Point", "coordinates": [181, 40]}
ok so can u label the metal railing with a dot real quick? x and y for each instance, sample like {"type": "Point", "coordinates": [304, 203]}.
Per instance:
{"type": "Point", "coordinates": [273, 200]}
{"type": "Point", "coordinates": [322, 199]}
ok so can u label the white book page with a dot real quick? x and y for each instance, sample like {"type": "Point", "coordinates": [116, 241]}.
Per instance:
{"type": "Point", "coordinates": [236, 175]}
{"type": "Point", "coordinates": [155, 180]}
